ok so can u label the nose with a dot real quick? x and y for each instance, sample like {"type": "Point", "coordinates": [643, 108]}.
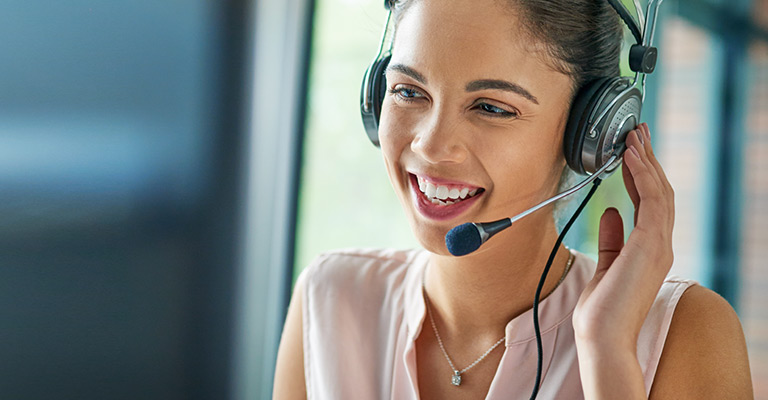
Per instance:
{"type": "Point", "coordinates": [439, 140]}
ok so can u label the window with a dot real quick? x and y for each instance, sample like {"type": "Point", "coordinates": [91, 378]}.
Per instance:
{"type": "Point", "coordinates": [348, 202]}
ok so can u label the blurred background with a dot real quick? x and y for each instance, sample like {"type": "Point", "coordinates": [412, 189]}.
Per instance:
{"type": "Point", "coordinates": [168, 167]}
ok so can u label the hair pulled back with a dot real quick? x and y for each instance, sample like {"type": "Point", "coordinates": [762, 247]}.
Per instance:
{"type": "Point", "coordinates": [582, 37]}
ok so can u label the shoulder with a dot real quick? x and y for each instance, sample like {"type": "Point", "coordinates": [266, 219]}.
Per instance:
{"type": "Point", "coordinates": [358, 256]}
{"type": "Point", "coordinates": [336, 287]}
{"type": "Point", "coordinates": [350, 286]}
{"type": "Point", "coordinates": [704, 355]}
{"type": "Point", "coordinates": [353, 303]}
{"type": "Point", "coordinates": [347, 269]}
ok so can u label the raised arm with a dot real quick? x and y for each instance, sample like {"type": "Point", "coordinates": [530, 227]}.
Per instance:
{"type": "Point", "coordinates": [704, 356]}
{"type": "Point", "coordinates": [615, 303]}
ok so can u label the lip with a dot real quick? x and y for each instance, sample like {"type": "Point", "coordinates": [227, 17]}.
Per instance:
{"type": "Point", "coordinates": [434, 211]}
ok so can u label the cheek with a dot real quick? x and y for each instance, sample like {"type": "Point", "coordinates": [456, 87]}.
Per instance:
{"type": "Point", "coordinates": [393, 139]}
{"type": "Point", "coordinates": [393, 132]}
{"type": "Point", "coordinates": [530, 166]}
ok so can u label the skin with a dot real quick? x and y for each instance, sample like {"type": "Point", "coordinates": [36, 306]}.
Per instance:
{"type": "Point", "coordinates": [511, 146]}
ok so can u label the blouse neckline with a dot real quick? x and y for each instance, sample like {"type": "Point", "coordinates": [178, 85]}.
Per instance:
{"type": "Point", "coordinates": [554, 310]}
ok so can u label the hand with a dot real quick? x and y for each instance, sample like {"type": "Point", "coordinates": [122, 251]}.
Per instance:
{"type": "Point", "coordinates": [615, 303]}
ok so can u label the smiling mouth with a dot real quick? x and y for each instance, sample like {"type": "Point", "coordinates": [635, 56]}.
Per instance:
{"type": "Point", "coordinates": [446, 195]}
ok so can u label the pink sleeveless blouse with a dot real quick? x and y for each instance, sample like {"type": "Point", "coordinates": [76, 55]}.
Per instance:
{"type": "Point", "coordinates": [363, 310]}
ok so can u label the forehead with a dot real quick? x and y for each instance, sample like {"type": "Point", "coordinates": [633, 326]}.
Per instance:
{"type": "Point", "coordinates": [459, 41]}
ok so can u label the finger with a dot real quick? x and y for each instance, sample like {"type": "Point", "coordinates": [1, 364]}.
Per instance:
{"type": "Point", "coordinates": [653, 201]}
{"type": "Point", "coordinates": [611, 239]}
{"type": "Point", "coordinates": [646, 132]}
{"type": "Point", "coordinates": [629, 184]}
{"type": "Point", "coordinates": [666, 185]}
{"type": "Point", "coordinates": [637, 138]}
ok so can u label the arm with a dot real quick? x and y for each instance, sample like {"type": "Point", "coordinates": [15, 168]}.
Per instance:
{"type": "Point", "coordinates": [613, 306]}
{"type": "Point", "coordinates": [289, 372]}
{"type": "Point", "coordinates": [610, 373]}
{"type": "Point", "coordinates": [705, 355]}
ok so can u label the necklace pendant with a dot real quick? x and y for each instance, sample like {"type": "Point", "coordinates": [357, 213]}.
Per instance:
{"type": "Point", "coordinates": [456, 378]}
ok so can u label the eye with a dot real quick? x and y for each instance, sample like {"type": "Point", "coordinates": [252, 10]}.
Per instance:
{"type": "Point", "coordinates": [497, 112]}
{"type": "Point", "coordinates": [405, 93]}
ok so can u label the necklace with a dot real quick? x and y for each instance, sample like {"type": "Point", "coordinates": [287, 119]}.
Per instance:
{"type": "Point", "coordinates": [456, 377]}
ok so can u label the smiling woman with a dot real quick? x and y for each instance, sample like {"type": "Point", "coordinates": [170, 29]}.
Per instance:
{"type": "Point", "coordinates": [476, 123]}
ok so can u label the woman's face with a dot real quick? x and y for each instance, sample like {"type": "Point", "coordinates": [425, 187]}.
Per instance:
{"type": "Point", "coordinates": [471, 126]}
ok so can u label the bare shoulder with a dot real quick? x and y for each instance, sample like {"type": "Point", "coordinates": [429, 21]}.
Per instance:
{"type": "Point", "coordinates": [289, 370]}
{"type": "Point", "coordinates": [705, 354]}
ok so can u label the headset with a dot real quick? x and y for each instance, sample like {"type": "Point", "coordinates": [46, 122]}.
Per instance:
{"type": "Point", "coordinates": [602, 112]}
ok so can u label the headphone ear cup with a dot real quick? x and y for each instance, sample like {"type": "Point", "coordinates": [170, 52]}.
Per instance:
{"type": "Point", "coordinates": [376, 82]}
{"type": "Point", "coordinates": [582, 107]}
{"type": "Point", "coordinates": [379, 87]}
{"type": "Point", "coordinates": [613, 106]}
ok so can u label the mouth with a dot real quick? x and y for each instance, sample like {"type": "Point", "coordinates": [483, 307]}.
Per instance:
{"type": "Point", "coordinates": [441, 199]}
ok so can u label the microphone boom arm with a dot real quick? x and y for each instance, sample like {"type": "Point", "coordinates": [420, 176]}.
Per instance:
{"type": "Point", "coordinates": [468, 237]}
{"type": "Point", "coordinates": [568, 192]}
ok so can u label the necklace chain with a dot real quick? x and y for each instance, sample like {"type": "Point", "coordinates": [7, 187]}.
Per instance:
{"type": "Point", "coordinates": [456, 378]}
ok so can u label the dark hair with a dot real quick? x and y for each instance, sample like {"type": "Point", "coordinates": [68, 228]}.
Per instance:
{"type": "Point", "coordinates": [582, 37]}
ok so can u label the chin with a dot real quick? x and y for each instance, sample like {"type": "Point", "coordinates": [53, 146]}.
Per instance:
{"type": "Point", "coordinates": [430, 236]}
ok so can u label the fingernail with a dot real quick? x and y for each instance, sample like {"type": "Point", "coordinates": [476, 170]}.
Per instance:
{"type": "Point", "coordinates": [634, 151]}
{"type": "Point", "coordinates": [647, 131]}
{"type": "Point", "coordinates": [639, 136]}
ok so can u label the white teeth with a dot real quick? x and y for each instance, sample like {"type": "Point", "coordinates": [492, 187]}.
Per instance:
{"type": "Point", "coordinates": [430, 190]}
{"type": "Point", "coordinates": [440, 195]}
{"type": "Point", "coordinates": [442, 203]}
{"type": "Point", "coordinates": [442, 192]}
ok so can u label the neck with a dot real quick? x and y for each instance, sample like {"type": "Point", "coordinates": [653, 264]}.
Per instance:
{"type": "Point", "coordinates": [475, 296]}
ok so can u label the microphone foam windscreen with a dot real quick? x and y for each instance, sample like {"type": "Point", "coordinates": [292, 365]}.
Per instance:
{"type": "Point", "coordinates": [463, 239]}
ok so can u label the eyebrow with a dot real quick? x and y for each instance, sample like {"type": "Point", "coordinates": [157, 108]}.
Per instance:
{"type": "Point", "coordinates": [473, 86]}
{"type": "Point", "coordinates": [500, 85]}
{"type": "Point", "coordinates": [404, 69]}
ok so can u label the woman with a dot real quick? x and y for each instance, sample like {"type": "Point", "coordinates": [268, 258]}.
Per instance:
{"type": "Point", "coordinates": [366, 324]}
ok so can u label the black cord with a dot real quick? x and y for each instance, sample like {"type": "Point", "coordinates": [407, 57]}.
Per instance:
{"type": "Point", "coordinates": [552, 255]}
